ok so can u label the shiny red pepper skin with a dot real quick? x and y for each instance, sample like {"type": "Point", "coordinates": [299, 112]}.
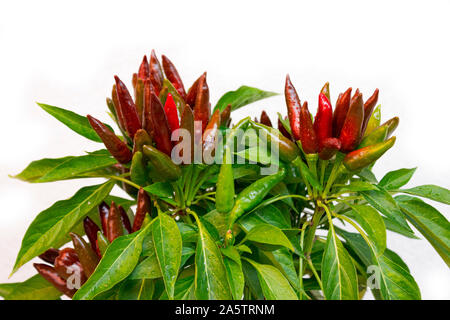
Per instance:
{"type": "Point", "coordinates": [326, 90]}
{"type": "Point", "coordinates": [125, 220]}
{"type": "Point", "coordinates": [115, 146]}
{"type": "Point", "coordinates": [308, 136]}
{"type": "Point", "coordinates": [156, 73]}
{"type": "Point", "coordinates": [144, 70]}
{"type": "Point", "coordinates": [293, 105]}
{"type": "Point", "coordinates": [330, 147]}
{"type": "Point", "coordinates": [225, 116]}
{"type": "Point", "coordinates": [146, 111]}
{"type": "Point", "coordinates": [67, 262]}
{"type": "Point", "coordinates": [202, 110]}
{"type": "Point", "coordinates": [340, 112]}
{"type": "Point", "coordinates": [173, 76]}
{"type": "Point", "coordinates": [91, 229]}
{"type": "Point", "coordinates": [283, 130]}
{"type": "Point", "coordinates": [192, 92]}
{"type": "Point", "coordinates": [361, 158]}
{"type": "Point", "coordinates": [187, 123]}
{"type": "Point", "coordinates": [103, 210]}
{"type": "Point", "coordinates": [128, 108]}
{"type": "Point", "coordinates": [264, 119]}
{"type": "Point", "coordinates": [50, 255]}
{"type": "Point", "coordinates": [351, 130]}
{"type": "Point", "coordinates": [50, 274]}
{"type": "Point", "coordinates": [114, 229]}
{"type": "Point", "coordinates": [323, 122]}
{"type": "Point", "coordinates": [160, 125]}
{"type": "Point", "coordinates": [170, 109]}
{"type": "Point", "coordinates": [209, 136]}
{"type": "Point", "coordinates": [143, 207]}
{"type": "Point", "coordinates": [369, 105]}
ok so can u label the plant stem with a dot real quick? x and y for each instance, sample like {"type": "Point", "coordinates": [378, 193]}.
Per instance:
{"type": "Point", "coordinates": [119, 178]}
{"type": "Point", "coordinates": [316, 275]}
{"type": "Point", "coordinates": [335, 172]}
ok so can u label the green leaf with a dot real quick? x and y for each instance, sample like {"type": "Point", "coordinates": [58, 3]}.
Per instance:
{"type": "Point", "coordinates": [241, 97]}
{"type": "Point", "coordinates": [76, 166]}
{"type": "Point", "coordinates": [117, 263]}
{"type": "Point", "coordinates": [396, 179]}
{"type": "Point", "coordinates": [235, 275]}
{"type": "Point", "coordinates": [136, 290]}
{"type": "Point", "coordinates": [35, 288]}
{"type": "Point", "coordinates": [74, 121]}
{"type": "Point", "coordinates": [357, 186]}
{"type": "Point", "coordinates": [186, 253]}
{"type": "Point", "coordinates": [149, 267]}
{"type": "Point", "coordinates": [370, 220]}
{"type": "Point", "coordinates": [267, 234]}
{"type": "Point", "coordinates": [160, 189]}
{"type": "Point", "coordinates": [39, 168]}
{"type": "Point", "coordinates": [51, 227]}
{"type": "Point", "coordinates": [430, 191]}
{"type": "Point", "coordinates": [188, 232]}
{"type": "Point", "coordinates": [168, 246]}
{"type": "Point", "coordinates": [183, 289]}
{"type": "Point", "coordinates": [430, 222]}
{"type": "Point", "coordinates": [358, 244]}
{"type": "Point", "coordinates": [282, 259]}
{"type": "Point", "coordinates": [210, 273]}
{"type": "Point", "coordinates": [367, 175]}
{"type": "Point", "coordinates": [273, 284]}
{"type": "Point", "coordinates": [338, 272]}
{"type": "Point", "coordinates": [309, 175]}
{"type": "Point", "coordinates": [268, 215]}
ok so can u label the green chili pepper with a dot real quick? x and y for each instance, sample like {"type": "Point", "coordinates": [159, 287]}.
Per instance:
{"type": "Point", "coordinates": [376, 136]}
{"type": "Point", "coordinates": [162, 163]}
{"type": "Point", "coordinates": [88, 258]}
{"type": "Point", "coordinates": [102, 242]}
{"type": "Point", "coordinates": [169, 88]}
{"type": "Point", "coordinates": [141, 138]}
{"type": "Point", "coordinates": [374, 121]}
{"type": "Point", "coordinates": [392, 124]}
{"type": "Point", "coordinates": [138, 171]}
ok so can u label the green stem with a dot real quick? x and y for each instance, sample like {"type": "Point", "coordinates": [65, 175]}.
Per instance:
{"type": "Point", "coordinates": [316, 275]}
{"type": "Point", "coordinates": [119, 178]}
{"type": "Point", "coordinates": [335, 172]}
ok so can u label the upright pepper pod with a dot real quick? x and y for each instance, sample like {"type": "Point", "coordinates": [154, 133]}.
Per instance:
{"type": "Point", "coordinates": [125, 219]}
{"type": "Point", "coordinates": [376, 136]}
{"type": "Point", "coordinates": [323, 122]}
{"type": "Point", "coordinates": [361, 158]}
{"type": "Point", "coordinates": [283, 130]}
{"type": "Point", "coordinates": [308, 136]}
{"type": "Point", "coordinates": [49, 255]}
{"type": "Point", "coordinates": [67, 263]}
{"type": "Point", "coordinates": [138, 170]}
{"type": "Point", "coordinates": [50, 274]}
{"type": "Point", "coordinates": [264, 119]}
{"type": "Point", "coordinates": [88, 258]}
{"type": "Point", "coordinates": [192, 92]}
{"type": "Point", "coordinates": [139, 97]}
{"type": "Point", "coordinates": [351, 130]}
{"type": "Point", "coordinates": [164, 166]}
{"type": "Point", "coordinates": [391, 124]}
{"type": "Point", "coordinates": [171, 113]}
{"type": "Point", "coordinates": [115, 146]}
{"type": "Point", "coordinates": [187, 123]}
{"type": "Point", "coordinates": [103, 210]}
{"type": "Point", "coordinates": [91, 229]}
{"type": "Point", "coordinates": [202, 109]}
{"type": "Point", "coordinates": [102, 242]}
{"type": "Point", "coordinates": [341, 110]}
{"type": "Point", "coordinates": [177, 99]}
{"type": "Point", "coordinates": [374, 121]}
{"type": "Point", "coordinates": [173, 76]}
{"type": "Point", "coordinates": [118, 111]}
{"type": "Point", "coordinates": [326, 90]}
{"type": "Point", "coordinates": [144, 69]}
{"type": "Point", "coordinates": [156, 73]}
{"type": "Point", "coordinates": [293, 105]}
{"type": "Point", "coordinates": [141, 138]}
{"type": "Point", "coordinates": [114, 229]}
{"type": "Point", "coordinates": [128, 108]}
{"type": "Point", "coordinates": [369, 105]}
{"type": "Point", "coordinates": [210, 134]}
{"type": "Point", "coordinates": [161, 131]}
{"type": "Point", "coordinates": [143, 207]}
{"type": "Point", "coordinates": [146, 111]}
{"type": "Point", "coordinates": [330, 147]}
{"type": "Point", "coordinates": [225, 116]}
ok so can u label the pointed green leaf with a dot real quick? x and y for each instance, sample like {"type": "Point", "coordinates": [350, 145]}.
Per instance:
{"type": "Point", "coordinates": [136, 290]}
{"type": "Point", "coordinates": [39, 168]}
{"type": "Point", "coordinates": [270, 235]}
{"type": "Point", "coordinates": [283, 260]}
{"type": "Point", "coordinates": [183, 289]}
{"type": "Point", "coordinates": [396, 179]}
{"type": "Point", "coordinates": [241, 97]}
{"type": "Point", "coordinates": [235, 275]}
{"type": "Point", "coordinates": [268, 215]}
{"type": "Point", "coordinates": [35, 288]}
{"type": "Point", "coordinates": [430, 191]}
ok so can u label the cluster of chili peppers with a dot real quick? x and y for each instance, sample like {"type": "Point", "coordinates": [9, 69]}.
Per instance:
{"type": "Point", "coordinates": [84, 257]}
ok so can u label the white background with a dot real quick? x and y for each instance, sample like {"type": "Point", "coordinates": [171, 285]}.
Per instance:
{"type": "Point", "coordinates": [66, 55]}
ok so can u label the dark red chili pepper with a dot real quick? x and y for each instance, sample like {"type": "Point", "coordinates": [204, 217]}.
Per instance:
{"type": "Point", "coordinates": [88, 258]}
{"type": "Point", "coordinates": [146, 111]}
{"type": "Point", "coordinates": [170, 109]}
{"type": "Point", "coordinates": [330, 147]}
{"type": "Point", "coordinates": [91, 229]}
{"type": "Point", "coordinates": [293, 105]}
{"type": "Point", "coordinates": [156, 73]}
{"type": "Point", "coordinates": [103, 210]}
{"type": "Point", "coordinates": [283, 130]}
{"type": "Point", "coordinates": [225, 116]}
{"type": "Point", "coordinates": [128, 108]}
{"type": "Point", "coordinates": [323, 122]}
{"type": "Point", "coordinates": [358, 159]}
{"type": "Point", "coordinates": [125, 220]}
{"type": "Point", "coordinates": [202, 110]}
{"type": "Point", "coordinates": [161, 131]}
{"type": "Point", "coordinates": [50, 274]}
{"type": "Point", "coordinates": [173, 76]}
{"type": "Point", "coordinates": [50, 255]}
{"type": "Point", "coordinates": [67, 262]}
{"type": "Point", "coordinates": [369, 105]}
{"type": "Point", "coordinates": [264, 119]}
{"type": "Point", "coordinates": [115, 146]}
{"type": "Point", "coordinates": [351, 130]}
{"type": "Point", "coordinates": [192, 92]}
{"type": "Point", "coordinates": [115, 99]}
{"type": "Point", "coordinates": [144, 70]}
{"type": "Point", "coordinates": [114, 229]}
{"type": "Point", "coordinates": [143, 207]}
{"type": "Point", "coordinates": [307, 134]}
{"type": "Point", "coordinates": [340, 112]}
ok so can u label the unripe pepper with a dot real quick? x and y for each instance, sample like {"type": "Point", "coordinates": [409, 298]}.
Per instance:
{"type": "Point", "coordinates": [210, 134]}
{"type": "Point", "coordinates": [88, 258]}
{"type": "Point", "coordinates": [351, 130]}
{"type": "Point", "coordinates": [374, 121]}
{"type": "Point", "coordinates": [293, 105]}
{"type": "Point", "coordinates": [171, 113]}
{"type": "Point", "coordinates": [169, 88]}
{"type": "Point", "coordinates": [49, 274]}
{"type": "Point", "coordinates": [173, 76]}
{"type": "Point", "coordinates": [330, 147]}
{"type": "Point", "coordinates": [376, 136]}
{"type": "Point", "coordinates": [264, 119]}
{"type": "Point", "coordinates": [323, 121]}
{"type": "Point", "coordinates": [50, 255]}
{"type": "Point", "coordinates": [165, 167]}
{"type": "Point", "coordinates": [340, 112]}
{"type": "Point", "coordinates": [143, 207]}
{"type": "Point", "coordinates": [202, 110]}
{"type": "Point", "coordinates": [161, 131]}
{"type": "Point", "coordinates": [138, 170]}
{"type": "Point", "coordinates": [125, 219]}
{"type": "Point", "coordinates": [156, 73]}
{"type": "Point", "coordinates": [91, 229]}
{"type": "Point", "coordinates": [187, 123]}
{"type": "Point", "coordinates": [128, 108]}
{"type": "Point", "coordinates": [308, 136]}
{"type": "Point", "coordinates": [361, 158]}
{"type": "Point", "coordinates": [139, 97]}
{"type": "Point", "coordinates": [114, 229]}
{"type": "Point", "coordinates": [115, 146]}
{"type": "Point", "coordinates": [391, 124]}
{"type": "Point", "coordinates": [141, 138]}
{"type": "Point", "coordinates": [369, 105]}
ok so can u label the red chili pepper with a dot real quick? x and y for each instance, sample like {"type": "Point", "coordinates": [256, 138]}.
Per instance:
{"type": "Point", "coordinates": [307, 134]}
{"type": "Point", "coordinates": [50, 255]}
{"type": "Point", "coordinates": [156, 74]}
{"type": "Point", "coordinates": [91, 229]}
{"type": "Point", "coordinates": [202, 110]}
{"type": "Point", "coordinates": [125, 220]}
{"type": "Point", "coordinates": [351, 130]}
{"type": "Point", "coordinates": [67, 263]}
{"type": "Point", "coordinates": [50, 274]}
{"type": "Point", "coordinates": [330, 147]}
{"type": "Point", "coordinates": [115, 100]}
{"type": "Point", "coordinates": [115, 146]}
{"type": "Point", "coordinates": [265, 120]}
{"type": "Point", "coordinates": [323, 122]}
{"type": "Point", "coordinates": [192, 92]}
{"type": "Point", "coordinates": [139, 97]}
{"type": "Point", "coordinates": [326, 90]}
{"type": "Point", "coordinates": [369, 105]}
{"type": "Point", "coordinates": [209, 136]}
{"type": "Point", "coordinates": [173, 76]}
{"type": "Point", "coordinates": [144, 70]}
{"type": "Point", "coordinates": [283, 130]}
{"type": "Point", "coordinates": [170, 109]}
{"type": "Point", "coordinates": [88, 258]}
{"type": "Point", "coordinates": [340, 112]}
{"type": "Point", "coordinates": [143, 207]}
{"type": "Point", "coordinates": [160, 125]}
{"type": "Point", "coordinates": [293, 105]}
{"type": "Point", "coordinates": [225, 116]}
{"type": "Point", "coordinates": [128, 108]}
{"type": "Point", "coordinates": [114, 229]}
{"type": "Point", "coordinates": [146, 111]}
{"type": "Point", "coordinates": [103, 210]}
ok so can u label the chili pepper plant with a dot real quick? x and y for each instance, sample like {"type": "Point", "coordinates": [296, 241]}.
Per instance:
{"type": "Point", "coordinates": [216, 210]}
